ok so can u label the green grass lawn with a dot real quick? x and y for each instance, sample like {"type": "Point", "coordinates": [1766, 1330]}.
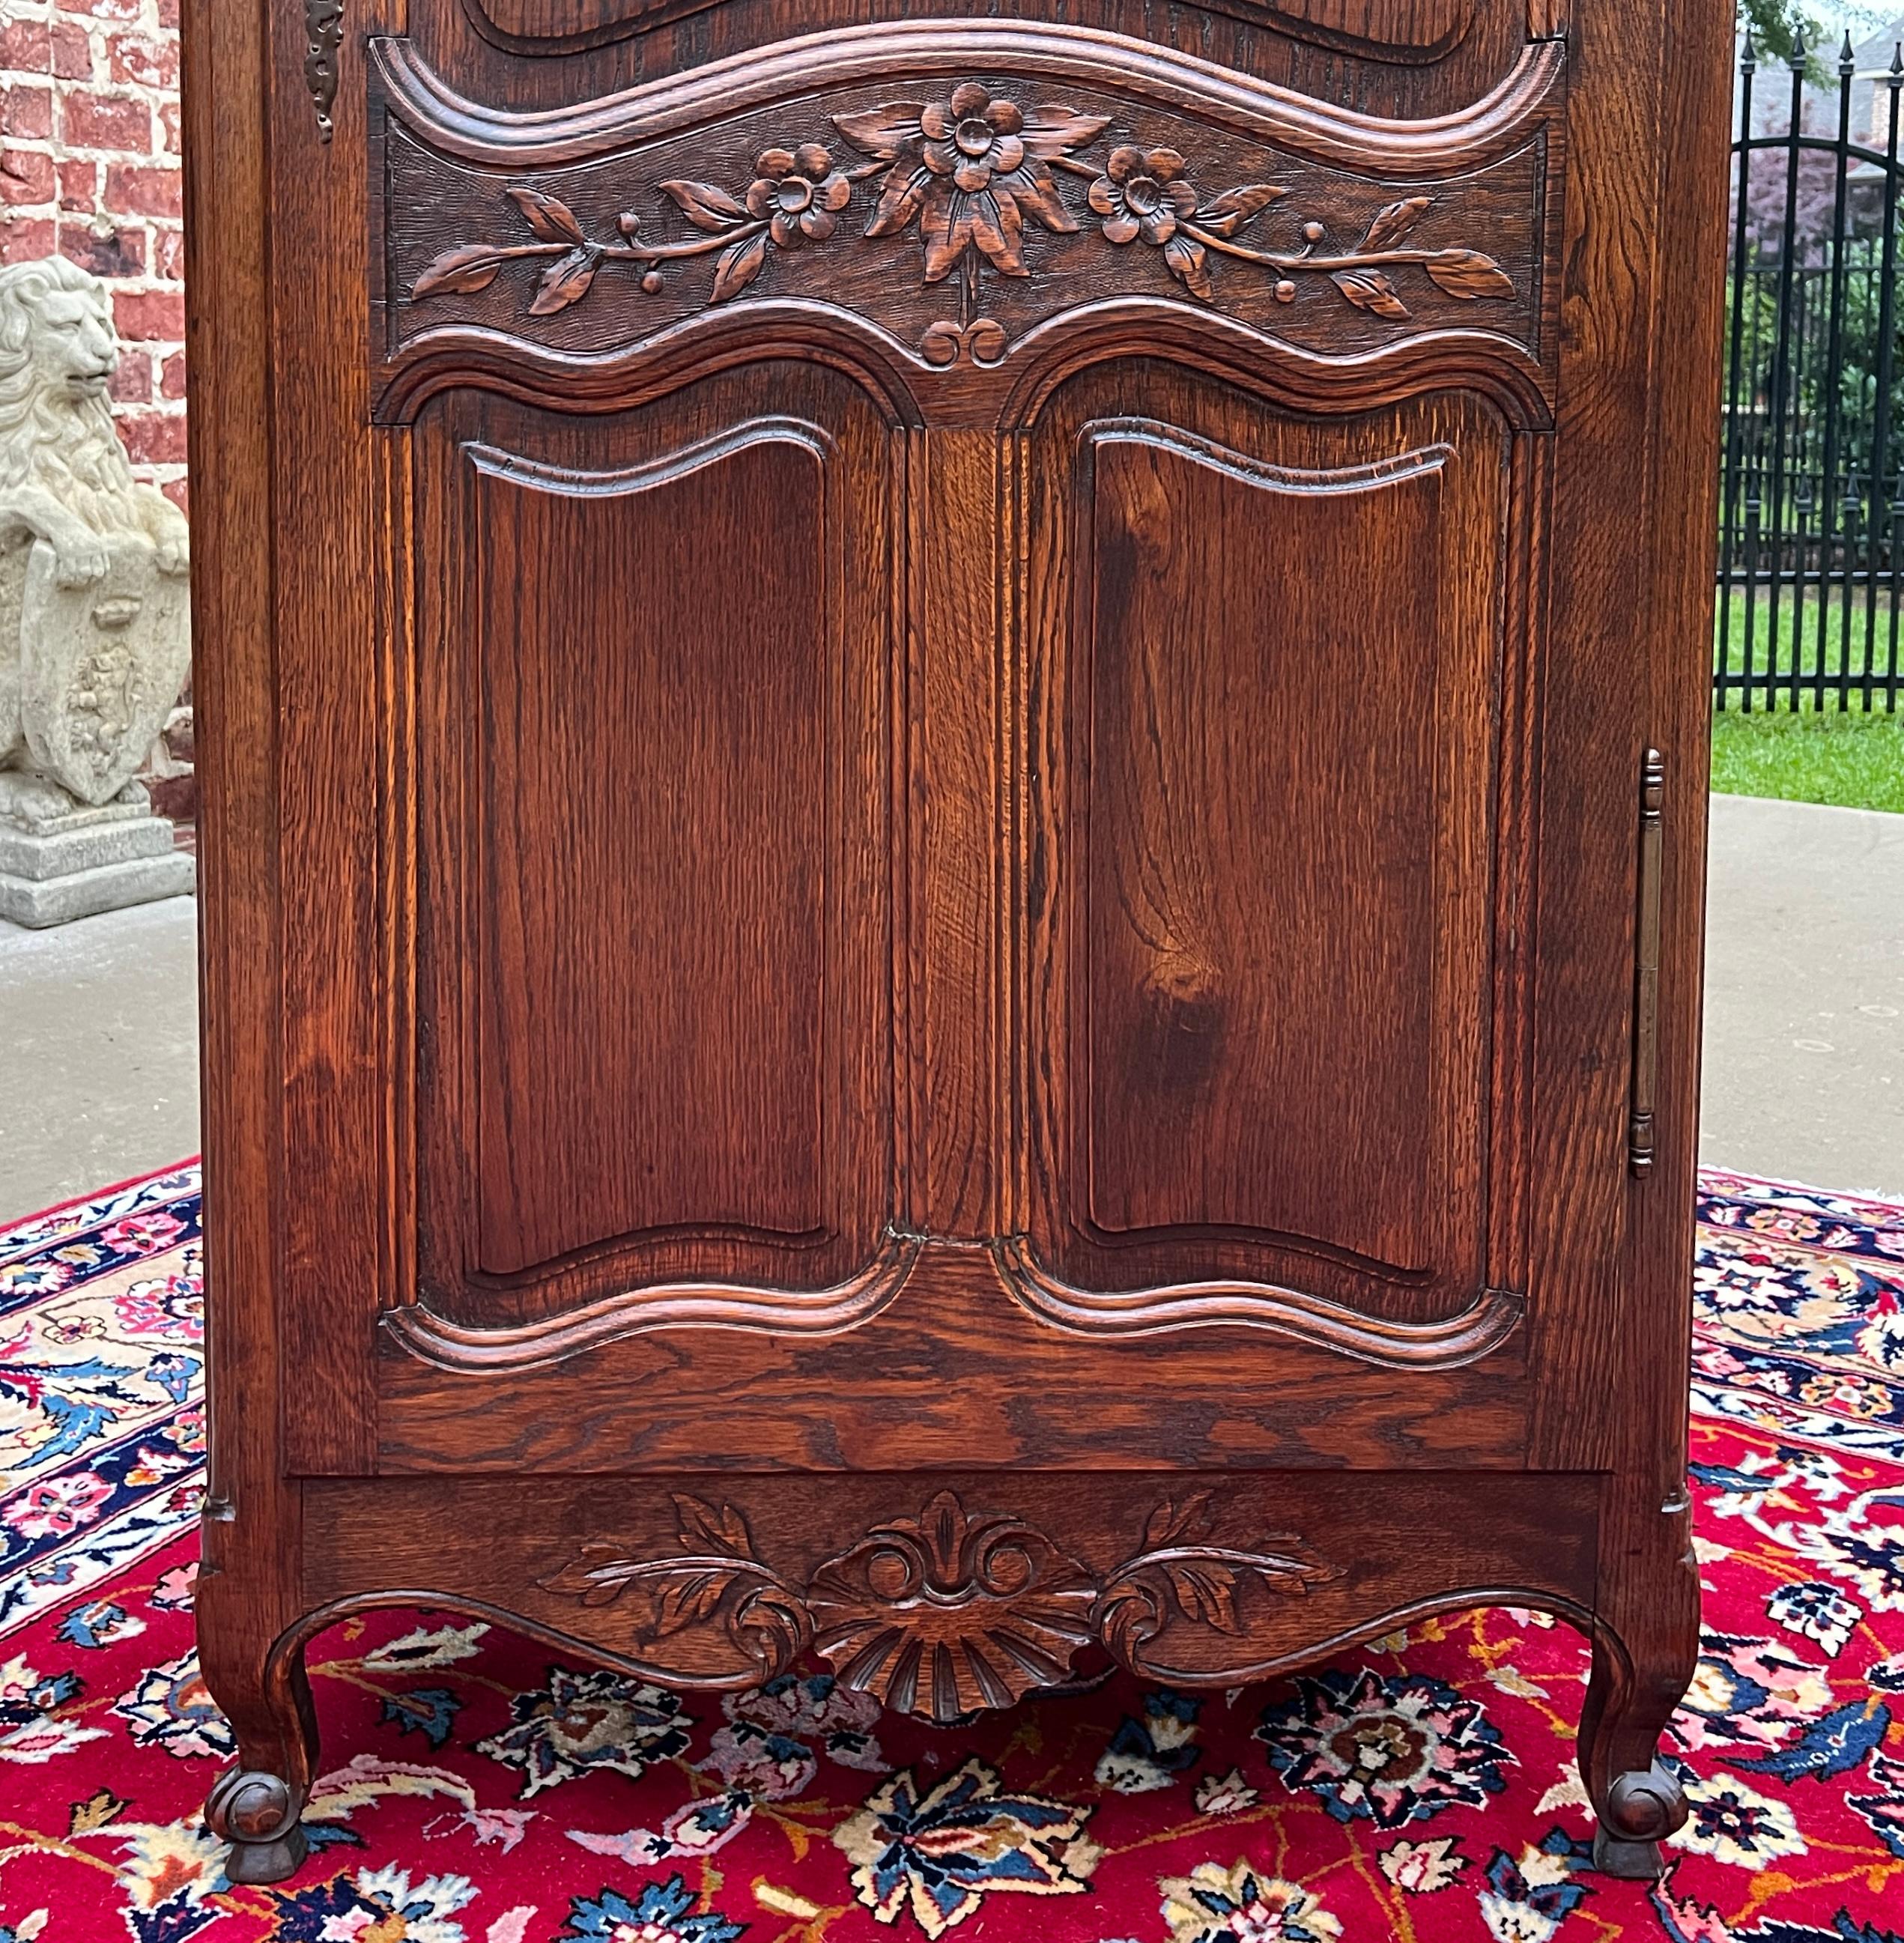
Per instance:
{"type": "Point", "coordinates": [1816, 755]}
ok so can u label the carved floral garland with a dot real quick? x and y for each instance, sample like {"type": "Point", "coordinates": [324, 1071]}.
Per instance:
{"type": "Point", "coordinates": [969, 171]}
{"type": "Point", "coordinates": [945, 1613]}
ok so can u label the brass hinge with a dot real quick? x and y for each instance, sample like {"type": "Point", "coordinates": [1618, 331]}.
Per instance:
{"type": "Point", "coordinates": [1646, 964]}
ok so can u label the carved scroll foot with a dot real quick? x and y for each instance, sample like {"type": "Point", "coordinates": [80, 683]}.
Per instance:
{"type": "Point", "coordinates": [255, 1803]}
{"type": "Point", "coordinates": [1644, 1657]}
{"type": "Point", "coordinates": [1641, 1809]}
{"type": "Point", "coordinates": [258, 1815]}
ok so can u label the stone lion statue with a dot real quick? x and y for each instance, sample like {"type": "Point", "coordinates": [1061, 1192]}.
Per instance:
{"type": "Point", "coordinates": [94, 623]}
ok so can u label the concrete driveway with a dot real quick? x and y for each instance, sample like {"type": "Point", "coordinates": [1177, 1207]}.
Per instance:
{"type": "Point", "coordinates": [99, 1051]}
{"type": "Point", "coordinates": [1804, 1019]}
{"type": "Point", "coordinates": [1804, 995]}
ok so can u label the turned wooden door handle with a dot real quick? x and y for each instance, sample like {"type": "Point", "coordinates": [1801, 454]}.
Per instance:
{"type": "Point", "coordinates": [1646, 964]}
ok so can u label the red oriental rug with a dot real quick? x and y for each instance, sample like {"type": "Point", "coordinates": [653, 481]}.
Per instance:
{"type": "Point", "coordinates": [1422, 1788]}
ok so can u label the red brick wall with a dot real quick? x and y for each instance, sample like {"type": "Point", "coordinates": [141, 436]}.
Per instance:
{"type": "Point", "coordinates": [89, 169]}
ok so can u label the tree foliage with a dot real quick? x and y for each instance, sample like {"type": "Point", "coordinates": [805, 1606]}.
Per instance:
{"type": "Point", "coordinates": [1775, 27]}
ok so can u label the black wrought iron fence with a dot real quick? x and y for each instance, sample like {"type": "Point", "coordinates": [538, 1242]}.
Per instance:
{"type": "Point", "coordinates": [1811, 551]}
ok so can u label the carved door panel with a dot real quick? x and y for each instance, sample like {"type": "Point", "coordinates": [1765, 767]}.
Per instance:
{"type": "Point", "coordinates": [655, 666]}
{"type": "Point", "coordinates": [1267, 840]}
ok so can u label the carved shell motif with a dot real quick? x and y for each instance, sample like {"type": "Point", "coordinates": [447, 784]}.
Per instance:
{"type": "Point", "coordinates": [939, 1615]}
{"type": "Point", "coordinates": [943, 1613]}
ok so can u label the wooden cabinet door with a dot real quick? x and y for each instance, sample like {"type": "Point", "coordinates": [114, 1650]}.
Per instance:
{"type": "Point", "coordinates": [655, 663]}
{"type": "Point", "coordinates": [955, 727]}
{"type": "Point", "coordinates": [1269, 830]}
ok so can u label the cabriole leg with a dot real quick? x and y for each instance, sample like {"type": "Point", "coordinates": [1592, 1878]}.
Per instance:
{"type": "Point", "coordinates": [255, 1805]}
{"type": "Point", "coordinates": [1644, 1660]}
{"type": "Point", "coordinates": [257, 1813]}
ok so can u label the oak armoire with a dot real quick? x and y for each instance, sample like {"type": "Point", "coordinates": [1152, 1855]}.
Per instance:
{"type": "Point", "coordinates": [954, 778]}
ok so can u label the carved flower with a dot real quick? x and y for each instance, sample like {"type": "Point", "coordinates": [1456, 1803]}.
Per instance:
{"type": "Point", "coordinates": [1143, 192]}
{"type": "Point", "coordinates": [969, 170]}
{"type": "Point", "coordinates": [971, 137]}
{"type": "Point", "coordinates": [797, 193]}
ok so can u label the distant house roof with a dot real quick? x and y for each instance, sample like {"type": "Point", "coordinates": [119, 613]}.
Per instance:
{"type": "Point", "coordinates": [1871, 57]}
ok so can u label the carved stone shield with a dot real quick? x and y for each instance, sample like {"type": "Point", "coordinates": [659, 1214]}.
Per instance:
{"type": "Point", "coordinates": [101, 665]}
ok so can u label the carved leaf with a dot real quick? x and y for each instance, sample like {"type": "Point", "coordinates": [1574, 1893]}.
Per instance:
{"type": "Point", "coordinates": [596, 1575]}
{"type": "Point", "coordinates": [688, 1599]}
{"type": "Point", "coordinates": [705, 206]}
{"type": "Point", "coordinates": [703, 1528]}
{"type": "Point", "coordinates": [1187, 261]}
{"type": "Point", "coordinates": [565, 281]}
{"type": "Point", "coordinates": [1393, 221]}
{"type": "Point", "coordinates": [902, 196]}
{"type": "Point", "coordinates": [946, 223]}
{"type": "Point", "coordinates": [1171, 1522]}
{"type": "Point", "coordinates": [999, 230]}
{"type": "Point", "coordinates": [1032, 189]}
{"type": "Point", "coordinates": [1225, 214]}
{"type": "Point", "coordinates": [1467, 273]}
{"type": "Point", "coordinates": [552, 220]}
{"type": "Point", "coordinates": [1369, 290]}
{"type": "Point", "coordinates": [737, 266]}
{"type": "Point", "coordinates": [471, 267]}
{"type": "Point", "coordinates": [1206, 1590]}
{"type": "Point", "coordinates": [883, 132]}
{"type": "Point", "coordinates": [1052, 131]}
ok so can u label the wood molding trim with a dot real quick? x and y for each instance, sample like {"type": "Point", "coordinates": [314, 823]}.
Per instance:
{"type": "Point", "coordinates": [454, 1346]}
{"type": "Point", "coordinates": [815, 62]}
{"type": "Point", "coordinates": [1444, 1344]}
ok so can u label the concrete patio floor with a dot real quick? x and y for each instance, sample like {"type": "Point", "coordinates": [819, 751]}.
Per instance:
{"type": "Point", "coordinates": [99, 1051]}
{"type": "Point", "coordinates": [1804, 1021]}
{"type": "Point", "coordinates": [1804, 995]}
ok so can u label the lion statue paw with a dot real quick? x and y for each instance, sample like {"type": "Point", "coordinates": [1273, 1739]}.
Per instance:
{"type": "Point", "coordinates": [80, 566]}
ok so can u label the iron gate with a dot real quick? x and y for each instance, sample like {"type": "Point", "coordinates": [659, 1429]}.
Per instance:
{"type": "Point", "coordinates": [1811, 493]}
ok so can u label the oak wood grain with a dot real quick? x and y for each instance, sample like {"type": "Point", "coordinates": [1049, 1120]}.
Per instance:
{"type": "Point", "coordinates": [731, 618]}
{"type": "Point", "coordinates": [1401, 58]}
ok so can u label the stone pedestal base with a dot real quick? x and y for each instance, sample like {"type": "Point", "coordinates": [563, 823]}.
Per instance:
{"type": "Point", "coordinates": [59, 862]}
